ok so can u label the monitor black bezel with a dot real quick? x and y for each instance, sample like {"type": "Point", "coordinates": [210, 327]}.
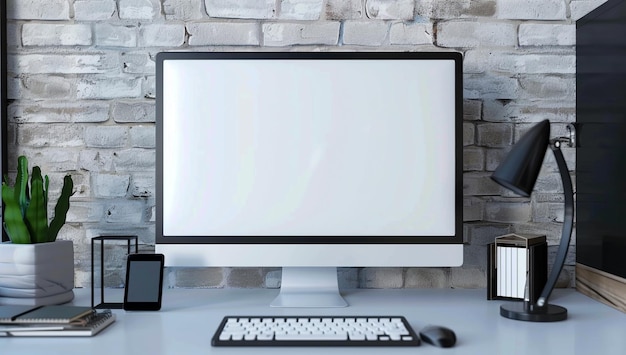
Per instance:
{"type": "Point", "coordinates": [456, 57]}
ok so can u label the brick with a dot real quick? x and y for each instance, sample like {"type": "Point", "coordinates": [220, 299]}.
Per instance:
{"type": "Point", "coordinates": [143, 137]}
{"type": "Point", "coordinates": [483, 233]}
{"type": "Point", "coordinates": [142, 185]}
{"type": "Point", "coordinates": [494, 134]}
{"type": "Point", "coordinates": [134, 111]}
{"type": "Point", "coordinates": [475, 257]}
{"type": "Point", "coordinates": [139, 9]}
{"type": "Point", "coordinates": [390, 9]}
{"type": "Point", "coordinates": [548, 87]}
{"type": "Point", "coordinates": [344, 9]}
{"type": "Point", "coordinates": [123, 212]}
{"type": "Point", "coordinates": [508, 212]}
{"type": "Point", "coordinates": [245, 277]}
{"type": "Point", "coordinates": [223, 33]}
{"type": "Point", "coordinates": [455, 9]}
{"type": "Point", "coordinates": [162, 35]}
{"type": "Point", "coordinates": [532, 9]}
{"type": "Point", "coordinates": [137, 63]}
{"type": "Point", "coordinates": [301, 9]}
{"type": "Point", "coordinates": [273, 279]}
{"type": "Point", "coordinates": [13, 33]}
{"type": "Point", "coordinates": [108, 88]}
{"type": "Point", "coordinates": [38, 10]}
{"type": "Point", "coordinates": [110, 185]}
{"type": "Point", "coordinates": [490, 86]}
{"type": "Point", "coordinates": [183, 10]}
{"type": "Point", "coordinates": [244, 9]}
{"type": "Point", "coordinates": [287, 34]}
{"type": "Point", "coordinates": [549, 182]}
{"type": "Point", "coordinates": [534, 34]}
{"type": "Point", "coordinates": [427, 278]}
{"type": "Point", "coordinates": [480, 61]}
{"type": "Point", "coordinates": [135, 159]}
{"type": "Point", "coordinates": [378, 277]}
{"type": "Point", "coordinates": [579, 9]}
{"type": "Point", "coordinates": [109, 35]}
{"type": "Point", "coordinates": [52, 159]}
{"type": "Point", "coordinates": [41, 87]}
{"type": "Point", "coordinates": [148, 87]}
{"type": "Point", "coordinates": [63, 64]}
{"type": "Point", "coordinates": [473, 209]}
{"type": "Point", "coordinates": [55, 112]}
{"type": "Point", "coordinates": [365, 33]}
{"type": "Point", "coordinates": [43, 34]}
{"type": "Point", "coordinates": [348, 277]}
{"type": "Point", "coordinates": [479, 184]}
{"type": "Point", "coordinates": [548, 212]}
{"type": "Point", "coordinates": [472, 110]}
{"type": "Point", "coordinates": [469, 134]}
{"type": "Point", "coordinates": [530, 111]}
{"type": "Point", "coordinates": [468, 277]}
{"type": "Point", "coordinates": [94, 10]}
{"type": "Point", "coordinates": [493, 158]}
{"type": "Point", "coordinates": [106, 136]}
{"type": "Point", "coordinates": [411, 33]}
{"type": "Point", "coordinates": [473, 159]}
{"type": "Point", "coordinates": [196, 277]}
{"type": "Point", "coordinates": [95, 160]}
{"type": "Point", "coordinates": [469, 34]}
{"type": "Point", "coordinates": [58, 135]}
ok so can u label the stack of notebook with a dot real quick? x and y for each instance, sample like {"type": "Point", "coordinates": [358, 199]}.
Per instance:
{"type": "Point", "coordinates": [57, 320]}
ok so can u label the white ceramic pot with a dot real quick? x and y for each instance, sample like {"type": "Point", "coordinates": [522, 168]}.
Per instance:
{"type": "Point", "coordinates": [36, 274]}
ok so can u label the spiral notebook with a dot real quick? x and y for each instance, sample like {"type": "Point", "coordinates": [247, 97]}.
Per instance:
{"type": "Point", "coordinates": [43, 314]}
{"type": "Point", "coordinates": [93, 324]}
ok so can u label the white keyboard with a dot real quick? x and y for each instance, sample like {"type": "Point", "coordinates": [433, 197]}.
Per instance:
{"type": "Point", "coordinates": [312, 331]}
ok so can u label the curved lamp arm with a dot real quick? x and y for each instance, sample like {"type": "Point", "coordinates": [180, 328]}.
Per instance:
{"type": "Point", "coordinates": [568, 224]}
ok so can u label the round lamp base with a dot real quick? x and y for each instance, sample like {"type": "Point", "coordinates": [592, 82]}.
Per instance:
{"type": "Point", "coordinates": [532, 313]}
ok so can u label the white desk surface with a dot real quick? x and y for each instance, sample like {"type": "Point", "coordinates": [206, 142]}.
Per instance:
{"type": "Point", "coordinates": [189, 318]}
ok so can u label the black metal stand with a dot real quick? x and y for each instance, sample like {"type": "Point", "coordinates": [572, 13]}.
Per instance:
{"type": "Point", "coordinates": [542, 311]}
{"type": "Point", "coordinates": [101, 239]}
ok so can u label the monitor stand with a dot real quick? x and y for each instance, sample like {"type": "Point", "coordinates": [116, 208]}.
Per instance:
{"type": "Point", "coordinates": [309, 287]}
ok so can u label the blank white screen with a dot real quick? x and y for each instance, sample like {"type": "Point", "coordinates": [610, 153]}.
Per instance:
{"type": "Point", "coordinates": [308, 147]}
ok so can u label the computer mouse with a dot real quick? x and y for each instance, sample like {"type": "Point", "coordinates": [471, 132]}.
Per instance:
{"type": "Point", "coordinates": [438, 336]}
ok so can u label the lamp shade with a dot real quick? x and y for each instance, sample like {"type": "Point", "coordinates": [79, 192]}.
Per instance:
{"type": "Point", "coordinates": [519, 171]}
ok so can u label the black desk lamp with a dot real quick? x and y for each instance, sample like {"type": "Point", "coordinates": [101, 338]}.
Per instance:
{"type": "Point", "coordinates": [518, 173]}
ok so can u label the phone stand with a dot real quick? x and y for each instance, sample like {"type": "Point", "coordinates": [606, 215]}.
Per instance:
{"type": "Point", "coordinates": [114, 241]}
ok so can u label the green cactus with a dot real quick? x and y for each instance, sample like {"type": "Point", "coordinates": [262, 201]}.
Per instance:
{"type": "Point", "coordinates": [26, 212]}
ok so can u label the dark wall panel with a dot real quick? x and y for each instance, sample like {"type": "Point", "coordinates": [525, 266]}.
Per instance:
{"type": "Point", "coordinates": [601, 157]}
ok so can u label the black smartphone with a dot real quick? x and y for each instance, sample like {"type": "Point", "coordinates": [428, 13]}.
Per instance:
{"type": "Point", "coordinates": [144, 282]}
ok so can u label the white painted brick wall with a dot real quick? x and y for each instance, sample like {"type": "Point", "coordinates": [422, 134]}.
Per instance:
{"type": "Point", "coordinates": [82, 88]}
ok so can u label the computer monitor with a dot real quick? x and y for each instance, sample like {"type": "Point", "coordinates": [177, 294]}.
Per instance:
{"type": "Point", "coordinates": [309, 162]}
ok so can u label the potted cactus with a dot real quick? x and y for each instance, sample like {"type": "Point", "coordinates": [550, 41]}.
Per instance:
{"type": "Point", "coordinates": [35, 268]}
